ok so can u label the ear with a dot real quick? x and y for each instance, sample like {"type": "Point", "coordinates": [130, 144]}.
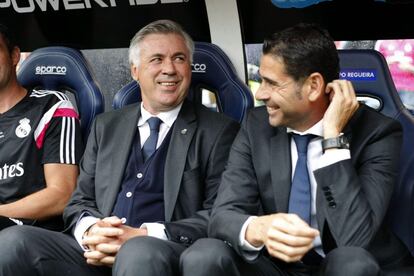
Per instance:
{"type": "Point", "coordinates": [315, 84]}
{"type": "Point", "coordinates": [15, 55]}
{"type": "Point", "coordinates": [134, 72]}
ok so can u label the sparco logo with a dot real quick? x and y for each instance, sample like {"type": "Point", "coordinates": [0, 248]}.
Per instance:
{"type": "Point", "coordinates": [31, 5]}
{"type": "Point", "coordinates": [9, 171]}
{"type": "Point", "coordinates": [198, 67]}
{"type": "Point", "coordinates": [50, 70]}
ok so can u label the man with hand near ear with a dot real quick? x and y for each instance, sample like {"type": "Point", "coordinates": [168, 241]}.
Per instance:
{"type": "Point", "coordinates": [309, 177]}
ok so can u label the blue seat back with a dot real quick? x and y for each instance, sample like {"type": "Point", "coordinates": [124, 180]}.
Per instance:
{"type": "Point", "coordinates": [369, 73]}
{"type": "Point", "coordinates": [66, 70]}
{"type": "Point", "coordinates": [211, 70]}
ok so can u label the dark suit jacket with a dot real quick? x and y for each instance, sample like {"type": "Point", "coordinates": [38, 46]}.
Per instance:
{"type": "Point", "coordinates": [196, 158]}
{"type": "Point", "coordinates": [352, 195]}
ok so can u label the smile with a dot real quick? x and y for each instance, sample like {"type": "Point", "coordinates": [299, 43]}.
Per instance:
{"type": "Point", "coordinates": [272, 109]}
{"type": "Point", "coordinates": [168, 83]}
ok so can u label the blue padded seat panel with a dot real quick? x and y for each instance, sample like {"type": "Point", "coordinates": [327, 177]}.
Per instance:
{"type": "Point", "coordinates": [64, 69]}
{"type": "Point", "coordinates": [212, 70]}
{"type": "Point", "coordinates": [369, 73]}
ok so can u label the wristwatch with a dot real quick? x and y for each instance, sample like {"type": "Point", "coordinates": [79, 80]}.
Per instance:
{"type": "Point", "coordinates": [339, 142]}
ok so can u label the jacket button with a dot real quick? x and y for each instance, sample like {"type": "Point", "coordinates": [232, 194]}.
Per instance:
{"type": "Point", "coordinates": [332, 204]}
{"type": "Point", "coordinates": [184, 239]}
{"type": "Point", "coordinates": [325, 188]}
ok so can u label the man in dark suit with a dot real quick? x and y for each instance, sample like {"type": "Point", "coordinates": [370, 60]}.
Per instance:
{"type": "Point", "coordinates": [137, 210]}
{"type": "Point", "coordinates": [309, 176]}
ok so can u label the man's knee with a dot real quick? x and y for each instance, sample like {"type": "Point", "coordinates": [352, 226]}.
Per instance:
{"type": "Point", "coordinates": [207, 255]}
{"type": "Point", "coordinates": [15, 239]}
{"type": "Point", "coordinates": [16, 251]}
{"type": "Point", "coordinates": [143, 249]}
{"type": "Point", "coordinates": [353, 261]}
{"type": "Point", "coordinates": [146, 256]}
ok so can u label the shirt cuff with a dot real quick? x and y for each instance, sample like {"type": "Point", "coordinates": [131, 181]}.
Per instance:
{"type": "Point", "coordinates": [156, 230]}
{"type": "Point", "coordinates": [333, 156]}
{"type": "Point", "coordinates": [82, 225]}
{"type": "Point", "coordinates": [249, 252]}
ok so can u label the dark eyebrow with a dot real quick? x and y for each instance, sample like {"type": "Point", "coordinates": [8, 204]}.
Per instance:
{"type": "Point", "coordinates": [270, 81]}
{"type": "Point", "coordinates": [266, 79]}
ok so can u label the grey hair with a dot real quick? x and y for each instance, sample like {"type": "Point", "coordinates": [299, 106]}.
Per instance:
{"type": "Point", "coordinates": [158, 27]}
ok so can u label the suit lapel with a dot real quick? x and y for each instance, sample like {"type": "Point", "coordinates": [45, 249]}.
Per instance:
{"type": "Point", "coordinates": [281, 169]}
{"type": "Point", "coordinates": [123, 136]}
{"type": "Point", "coordinates": [181, 137]}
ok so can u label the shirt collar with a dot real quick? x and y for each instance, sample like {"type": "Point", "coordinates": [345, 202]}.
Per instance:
{"type": "Point", "coordinates": [167, 117]}
{"type": "Point", "coordinates": [316, 129]}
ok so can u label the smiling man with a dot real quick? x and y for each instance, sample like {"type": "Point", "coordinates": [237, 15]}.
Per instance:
{"type": "Point", "coordinates": [148, 179]}
{"type": "Point", "coordinates": [309, 176]}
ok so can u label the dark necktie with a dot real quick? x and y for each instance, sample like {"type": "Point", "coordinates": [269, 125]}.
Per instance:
{"type": "Point", "coordinates": [300, 192]}
{"type": "Point", "coordinates": [151, 144]}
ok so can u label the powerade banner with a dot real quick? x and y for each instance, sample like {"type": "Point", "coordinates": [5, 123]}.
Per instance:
{"type": "Point", "coordinates": [91, 24]}
{"type": "Point", "coordinates": [31, 5]}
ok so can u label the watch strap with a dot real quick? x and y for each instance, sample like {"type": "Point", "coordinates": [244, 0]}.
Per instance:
{"type": "Point", "coordinates": [339, 142]}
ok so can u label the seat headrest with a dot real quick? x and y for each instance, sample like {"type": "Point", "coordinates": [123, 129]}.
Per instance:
{"type": "Point", "coordinates": [64, 69]}
{"type": "Point", "coordinates": [369, 73]}
{"type": "Point", "coordinates": [371, 78]}
{"type": "Point", "coordinates": [211, 70]}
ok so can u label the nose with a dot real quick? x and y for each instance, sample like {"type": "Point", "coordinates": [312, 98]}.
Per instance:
{"type": "Point", "coordinates": [262, 94]}
{"type": "Point", "coordinates": [168, 67]}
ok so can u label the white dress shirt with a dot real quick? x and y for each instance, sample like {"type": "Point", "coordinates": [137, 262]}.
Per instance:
{"type": "Point", "coordinates": [154, 229]}
{"type": "Point", "coordinates": [316, 160]}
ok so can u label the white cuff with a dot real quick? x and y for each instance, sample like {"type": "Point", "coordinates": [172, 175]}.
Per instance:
{"type": "Point", "coordinates": [82, 225]}
{"type": "Point", "coordinates": [250, 252]}
{"type": "Point", "coordinates": [156, 230]}
{"type": "Point", "coordinates": [333, 156]}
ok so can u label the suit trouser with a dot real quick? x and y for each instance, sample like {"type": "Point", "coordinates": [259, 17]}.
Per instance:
{"type": "Point", "coordinates": [28, 250]}
{"type": "Point", "coordinates": [148, 256]}
{"type": "Point", "coordinates": [209, 257]}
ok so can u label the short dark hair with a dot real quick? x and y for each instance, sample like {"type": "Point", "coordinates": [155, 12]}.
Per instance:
{"type": "Point", "coordinates": [305, 49]}
{"type": "Point", "coordinates": [7, 37]}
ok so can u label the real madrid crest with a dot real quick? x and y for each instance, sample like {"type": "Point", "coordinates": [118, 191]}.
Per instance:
{"type": "Point", "coordinates": [24, 128]}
